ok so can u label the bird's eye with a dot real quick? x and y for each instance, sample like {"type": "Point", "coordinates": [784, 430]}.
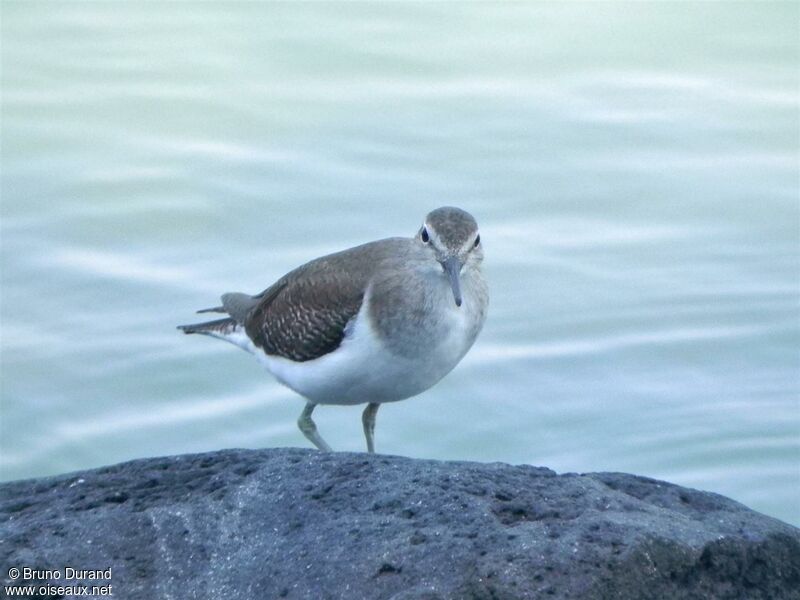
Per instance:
{"type": "Point", "coordinates": [424, 235]}
{"type": "Point", "coordinates": [477, 242]}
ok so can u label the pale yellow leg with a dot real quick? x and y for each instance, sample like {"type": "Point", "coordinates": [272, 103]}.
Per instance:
{"type": "Point", "coordinates": [309, 428]}
{"type": "Point", "coordinates": [368, 419]}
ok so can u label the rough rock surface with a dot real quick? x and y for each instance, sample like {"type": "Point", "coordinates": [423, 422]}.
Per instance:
{"type": "Point", "coordinates": [288, 523]}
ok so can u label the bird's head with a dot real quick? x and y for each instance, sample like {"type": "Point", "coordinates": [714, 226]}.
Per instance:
{"type": "Point", "coordinates": [451, 234]}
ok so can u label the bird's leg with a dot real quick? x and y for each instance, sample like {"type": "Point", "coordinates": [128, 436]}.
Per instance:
{"type": "Point", "coordinates": [309, 428]}
{"type": "Point", "coordinates": [368, 419]}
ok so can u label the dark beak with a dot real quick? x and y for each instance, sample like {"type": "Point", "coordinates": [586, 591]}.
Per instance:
{"type": "Point", "coordinates": [452, 266]}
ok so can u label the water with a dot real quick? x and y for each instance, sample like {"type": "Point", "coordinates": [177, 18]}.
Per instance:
{"type": "Point", "coordinates": [634, 169]}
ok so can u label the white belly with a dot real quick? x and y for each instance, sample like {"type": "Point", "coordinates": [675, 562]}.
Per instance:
{"type": "Point", "coordinates": [362, 369]}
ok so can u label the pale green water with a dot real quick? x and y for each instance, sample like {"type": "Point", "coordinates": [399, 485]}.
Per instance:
{"type": "Point", "coordinates": [634, 168]}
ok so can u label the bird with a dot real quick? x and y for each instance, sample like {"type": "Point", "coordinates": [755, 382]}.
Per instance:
{"type": "Point", "coordinates": [379, 322]}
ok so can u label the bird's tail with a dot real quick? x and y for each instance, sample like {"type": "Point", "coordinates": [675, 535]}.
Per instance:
{"type": "Point", "coordinates": [219, 328]}
{"type": "Point", "coordinates": [231, 328]}
{"type": "Point", "coordinates": [225, 329]}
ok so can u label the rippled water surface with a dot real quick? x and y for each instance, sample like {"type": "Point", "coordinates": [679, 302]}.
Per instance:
{"type": "Point", "coordinates": [634, 169]}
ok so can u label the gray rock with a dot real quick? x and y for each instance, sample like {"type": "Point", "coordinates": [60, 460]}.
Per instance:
{"type": "Point", "coordinates": [288, 523]}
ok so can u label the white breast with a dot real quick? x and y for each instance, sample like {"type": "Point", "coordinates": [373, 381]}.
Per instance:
{"type": "Point", "coordinates": [362, 369]}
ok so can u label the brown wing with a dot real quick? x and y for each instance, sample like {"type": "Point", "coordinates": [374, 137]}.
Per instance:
{"type": "Point", "coordinates": [303, 315]}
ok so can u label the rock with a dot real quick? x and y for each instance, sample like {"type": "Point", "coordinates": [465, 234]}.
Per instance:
{"type": "Point", "coordinates": [288, 523]}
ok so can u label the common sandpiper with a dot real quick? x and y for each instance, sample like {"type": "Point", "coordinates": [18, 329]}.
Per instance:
{"type": "Point", "coordinates": [377, 323]}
